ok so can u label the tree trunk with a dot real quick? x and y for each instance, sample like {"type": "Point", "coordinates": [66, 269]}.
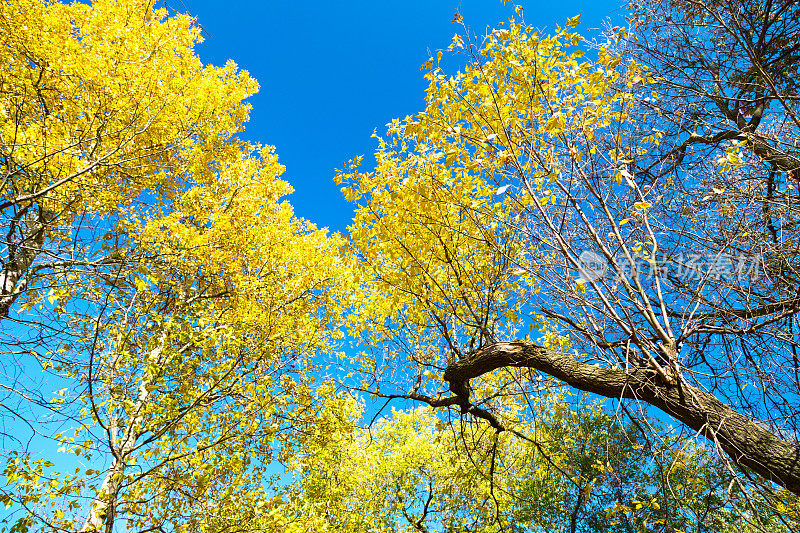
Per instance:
{"type": "Point", "coordinates": [747, 442]}
{"type": "Point", "coordinates": [13, 275]}
{"type": "Point", "coordinates": [101, 513]}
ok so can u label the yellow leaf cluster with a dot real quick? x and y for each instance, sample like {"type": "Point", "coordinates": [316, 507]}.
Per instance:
{"type": "Point", "coordinates": [102, 102]}
{"type": "Point", "coordinates": [437, 218]}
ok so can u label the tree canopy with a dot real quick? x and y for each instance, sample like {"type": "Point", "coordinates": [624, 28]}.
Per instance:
{"type": "Point", "coordinates": [572, 276]}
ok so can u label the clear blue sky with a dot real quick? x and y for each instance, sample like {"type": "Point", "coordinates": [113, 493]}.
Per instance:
{"type": "Point", "coordinates": [331, 72]}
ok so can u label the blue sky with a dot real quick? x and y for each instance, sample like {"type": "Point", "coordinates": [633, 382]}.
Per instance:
{"type": "Point", "coordinates": [332, 72]}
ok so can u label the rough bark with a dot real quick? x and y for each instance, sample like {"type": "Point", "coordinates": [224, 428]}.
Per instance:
{"type": "Point", "coordinates": [745, 441]}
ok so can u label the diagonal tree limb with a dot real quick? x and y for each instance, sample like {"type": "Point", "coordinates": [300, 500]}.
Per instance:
{"type": "Point", "coordinates": [746, 441]}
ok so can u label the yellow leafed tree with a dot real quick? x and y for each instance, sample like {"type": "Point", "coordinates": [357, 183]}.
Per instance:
{"type": "Point", "coordinates": [101, 104]}
{"type": "Point", "coordinates": [152, 267]}
{"type": "Point", "coordinates": [533, 216]}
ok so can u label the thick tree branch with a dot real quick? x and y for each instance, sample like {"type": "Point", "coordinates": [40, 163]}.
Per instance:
{"type": "Point", "coordinates": [746, 441]}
